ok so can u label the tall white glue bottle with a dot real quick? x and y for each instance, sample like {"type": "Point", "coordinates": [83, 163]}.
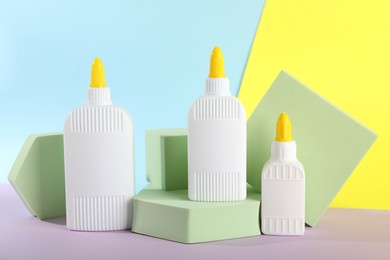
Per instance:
{"type": "Point", "coordinates": [217, 140]}
{"type": "Point", "coordinates": [283, 186]}
{"type": "Point", "coordinates": [99, 161]}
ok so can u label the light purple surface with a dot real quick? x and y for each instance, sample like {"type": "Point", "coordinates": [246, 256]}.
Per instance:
{"type": "Point", "coordinates": [340, 234]}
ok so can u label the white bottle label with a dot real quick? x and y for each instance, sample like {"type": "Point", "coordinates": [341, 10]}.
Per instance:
{"type": "Point", "coordinates": [283, 199]}
{"type": "Point", "coordinates": [217, 149]}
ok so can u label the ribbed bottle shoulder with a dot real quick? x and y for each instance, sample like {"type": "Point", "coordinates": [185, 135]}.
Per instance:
{"type": "Point", "coordinates": [283, 171]}
{"type": "Point", "coordinates": [217, 107]}
{"type": "Point", "coordinates": [98, 119]}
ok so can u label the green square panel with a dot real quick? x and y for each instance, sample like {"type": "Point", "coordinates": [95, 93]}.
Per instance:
{"type": "Point", "coordinates": [330, 144]}
{"type": "Point", "coordinates": [174, 162]}
{"type": "Point", "coordinates": [166, 158]}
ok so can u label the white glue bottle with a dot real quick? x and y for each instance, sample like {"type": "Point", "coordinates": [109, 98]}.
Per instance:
{"type": "Point", "coordinates": [217, 140]}
{"type": "Point", "coordinates": [99, 161]}
{"type": "Point", "coordinates": [283, 186]}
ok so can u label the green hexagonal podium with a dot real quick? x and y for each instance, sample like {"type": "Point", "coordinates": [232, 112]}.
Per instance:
{"type": "Point", "coordinates": [38, 175]}
{"type": "Point", "coordinates": [171, 215]}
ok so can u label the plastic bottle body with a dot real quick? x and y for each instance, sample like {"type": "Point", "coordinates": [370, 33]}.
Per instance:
{"type": "Point", "coordinates": [283, 193]}
{"type": "Point", "coordinates": [99, 168]}
{"type": "Point", "coordinates": [217, 149]}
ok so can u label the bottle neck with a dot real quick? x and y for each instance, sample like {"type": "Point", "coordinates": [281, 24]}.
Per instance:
{"type": "Point", "coordinates": [99, 96]}
{"type": "Point", "coordinates": [217, 87]}
{"type": "Point", "coordinates": [284, 151]}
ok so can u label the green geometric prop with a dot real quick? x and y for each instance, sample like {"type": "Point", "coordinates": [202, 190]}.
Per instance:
{"type": "Point", "coordinates": [171, 215]}
{"type": "Point", "coordinates": [166, 158]}
{"type": "Point", "coordinates": [330, 144]}
{"type": "Point", "coordinates": [38, 175]}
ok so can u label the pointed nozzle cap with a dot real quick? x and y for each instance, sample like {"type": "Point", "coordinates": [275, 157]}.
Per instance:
{"type": "Point", "coordinates": [217, 67]}
{"type": "Point", "coordinates": [97, 74]}
{"type": "Point", "coordinates": [283, 129]}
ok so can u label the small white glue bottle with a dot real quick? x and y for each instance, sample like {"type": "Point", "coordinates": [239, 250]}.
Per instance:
{"type": "Point", "coordinates": [217, 140]}
{"type": "Point", "coordinates": [283, 186]}
{"type": "Point", "coordinates": [99, 161]}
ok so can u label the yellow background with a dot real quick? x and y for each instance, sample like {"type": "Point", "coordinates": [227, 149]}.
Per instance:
{"type": "Point", "coordinates": [341, 49]}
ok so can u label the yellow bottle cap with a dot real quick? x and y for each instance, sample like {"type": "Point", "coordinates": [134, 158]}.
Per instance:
{"type": "Point", "coordinates": [97, 74]}
{"type": "Point", "coordinates": [283, 129]}
{"type": "Point", "coordinates": [217, 67]}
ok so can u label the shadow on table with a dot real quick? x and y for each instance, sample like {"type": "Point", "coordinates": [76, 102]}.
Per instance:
{"type": "Point", "coordinates": [58, 221]}
{"type": "Point", "coordinates": [338, 225]}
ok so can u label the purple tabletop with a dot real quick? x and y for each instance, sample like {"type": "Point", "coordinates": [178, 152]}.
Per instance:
{"type": "Point", "coordinates": [340, 234]}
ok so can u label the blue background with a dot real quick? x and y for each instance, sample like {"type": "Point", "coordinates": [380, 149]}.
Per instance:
{"type": "Point", "coordinates": [156, 56]}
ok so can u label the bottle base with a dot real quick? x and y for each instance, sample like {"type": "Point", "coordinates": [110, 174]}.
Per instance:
{"type": "Point", "coordinates": [217, 187]}
{"type": "Point", "coordinates": [283, 226]}
{"type": "Point", "coordinates": [99, 213]}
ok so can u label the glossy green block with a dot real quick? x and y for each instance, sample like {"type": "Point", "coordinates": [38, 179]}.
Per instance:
{"type": "Point", "coordinates": [330, 144]}
{"type": "Point", "coordinates": [166, 158]}
{"type": "Point", "coordinates": [171, 215]}
{"type": "Point", "coordinates": [38, 175]}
